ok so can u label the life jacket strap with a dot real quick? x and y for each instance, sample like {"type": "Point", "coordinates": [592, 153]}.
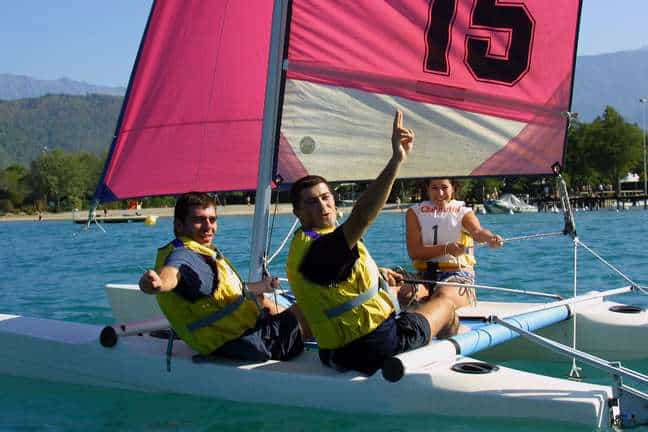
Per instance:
{"type": "Point", "coordinates": [392, 297]}
{"type": "Point", "coordinates": [169, 350]}
{"type": "Point", "coordinates": [216, 316]}
{"type": "Point", "coordinates": [362, 298]}
{"type": "Point", "coordinates": [351, 304]}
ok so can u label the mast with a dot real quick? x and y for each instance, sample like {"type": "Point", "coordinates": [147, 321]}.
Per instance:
{"type": "Point", "coordinates": [268, 139]}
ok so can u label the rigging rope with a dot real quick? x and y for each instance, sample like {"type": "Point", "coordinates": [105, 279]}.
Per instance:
{"type": "Point", "coordinates": [266, 261]}
{"type": "Point", "coordinates": [574, 373]}
{"type": "Point", "coordinates": [484, 287]}
{"type": "Point", "coordinates": [604, 261]}
{"type": "Point", "coordinates": [92, 218]}
{"type": "Point", "coordinates": [535, 236]}
{"type": "Point", "coordinates": [284, 241]}
{"type": "Point", "coordinates": [271, 230]}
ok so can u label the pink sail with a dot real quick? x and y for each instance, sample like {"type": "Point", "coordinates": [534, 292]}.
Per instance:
{"type": "Point", "coordinates": [193, 114]}
{"type": "Point", "coordinates": [484, 83]}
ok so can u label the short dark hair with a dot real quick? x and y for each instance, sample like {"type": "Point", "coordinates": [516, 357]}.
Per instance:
{"type": "Point", "coordinates": [305, 182]}
{"type": "Point", "coordinates": [191, 199]}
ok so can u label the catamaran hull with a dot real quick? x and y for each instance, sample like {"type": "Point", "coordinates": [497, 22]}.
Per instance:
{"type": "Point", "coordinates": [600, 330]}
{"type": "Point", "coordinates": [70, 352]}
{"type": "Point", "coordinates": [604, 328]}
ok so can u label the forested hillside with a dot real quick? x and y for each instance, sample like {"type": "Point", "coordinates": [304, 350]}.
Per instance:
{"type": "Point", "coordinates": [29, 127]}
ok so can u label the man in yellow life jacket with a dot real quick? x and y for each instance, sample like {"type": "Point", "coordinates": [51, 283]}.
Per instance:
{"type": "Point", "coordinates": [338, 285]}
{"type": "Point", "coordinates": [205, 300]}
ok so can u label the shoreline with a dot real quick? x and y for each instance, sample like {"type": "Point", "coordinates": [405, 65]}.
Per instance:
{"type": "Point", "coordinates": [229, 210]}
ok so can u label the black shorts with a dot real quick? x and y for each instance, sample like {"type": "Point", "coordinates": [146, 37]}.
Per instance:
{"type": "Point", "coordinates": [276, 337]}
{"type": "Point", "coordinates": [281, 335]}
{"type": "Point", "coordinates": [394, 336]}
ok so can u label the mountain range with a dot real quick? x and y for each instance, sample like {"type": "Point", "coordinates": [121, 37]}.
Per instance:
{"type": "Point", "coordinates": [617, 79]}
{"type": "Point", "coordinates": [72, 115]}
{"type": "Point", "coordinates": [14, 87]}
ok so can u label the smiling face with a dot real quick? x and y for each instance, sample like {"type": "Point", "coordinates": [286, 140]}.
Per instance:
{"type": "Point", "coordinates": [440, 191]}
{"type": "Point", "coordinates": [316, 207]}
{"type": "Point", "coordinates": [199, 224]}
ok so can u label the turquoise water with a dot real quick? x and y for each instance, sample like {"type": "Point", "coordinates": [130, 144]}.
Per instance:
{"type": "Point", "coordinates": [55, 270]}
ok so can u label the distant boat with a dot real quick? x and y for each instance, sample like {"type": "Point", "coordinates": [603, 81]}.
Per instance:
{"type": "Point", "coordinates": [509, 203]}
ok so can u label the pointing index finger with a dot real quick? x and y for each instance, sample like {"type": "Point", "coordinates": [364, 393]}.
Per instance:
{"type": "Point", "coordinates": [398, 120]}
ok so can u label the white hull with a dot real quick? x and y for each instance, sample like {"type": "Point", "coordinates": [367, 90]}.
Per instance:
{"type": "Point", "coordinates": [496, 208]}
{"type": "Point", "coordinates": [508, 204]}
{"type": "Point", "coordinates": [68, 352]}
{"type": "Point", "coordinates": [601, 332]}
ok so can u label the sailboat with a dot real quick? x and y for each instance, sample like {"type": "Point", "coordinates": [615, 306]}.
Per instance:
{"type": "Point", "coordinates": [509, 204]}
{"type": "Point", "coordinates": [229, 95]}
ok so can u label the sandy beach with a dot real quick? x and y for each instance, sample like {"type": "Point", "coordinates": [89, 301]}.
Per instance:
{"type": "Point", "coordinates": [229, 210]}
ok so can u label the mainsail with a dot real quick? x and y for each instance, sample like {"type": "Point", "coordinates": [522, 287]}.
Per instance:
{"type": "Point", "coordinates": [484, 83]}
{"type": "Point", "coordinates": [193, 113]}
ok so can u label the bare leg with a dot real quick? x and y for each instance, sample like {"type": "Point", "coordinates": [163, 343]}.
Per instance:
{"type": "Point", "coordinates": [409, 294]}
{"type": "Point", "coordinates": [451, 329]}
{"type": "Point", "coordinates": [440, 314]}
{"type": "Point", "coordinates": [460, 296]}
{"type": "Point", "coordinates": [269, 304]}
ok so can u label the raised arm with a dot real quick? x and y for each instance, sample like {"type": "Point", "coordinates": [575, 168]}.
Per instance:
{"type": "Point", "coordinates": [479, 233]}
{"type": "Point", "coordinates": [373, 199]}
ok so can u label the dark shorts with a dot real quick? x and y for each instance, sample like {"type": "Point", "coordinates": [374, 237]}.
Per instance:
{"type": "Point", "coordinates": [394, 336]}
{"type": "Point", "coordinates": [276, 337]}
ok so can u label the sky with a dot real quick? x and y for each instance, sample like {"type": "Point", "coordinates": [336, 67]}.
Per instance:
{"type": "Point", "coordinates": [96, 41]}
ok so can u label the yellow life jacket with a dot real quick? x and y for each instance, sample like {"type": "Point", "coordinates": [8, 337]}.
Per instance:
{"type": "Point", "coordinates": [213, 320]}
{"type": "Point", "coordinates": [466, 260]}
{"type": "Point", "coordinates": [340, 313]}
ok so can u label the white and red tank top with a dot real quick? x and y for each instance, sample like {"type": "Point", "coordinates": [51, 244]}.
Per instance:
{"type": "Point", "coordinates": [441, 226]}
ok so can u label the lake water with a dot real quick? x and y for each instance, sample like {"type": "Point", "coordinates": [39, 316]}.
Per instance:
{"type": "Point", "coordinates": [56, 270]}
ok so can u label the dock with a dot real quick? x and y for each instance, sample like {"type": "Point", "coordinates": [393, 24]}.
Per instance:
{"type": "Point", "coordinates": [598, 200]}
{"type": "Point", "coordinates": [115, 219]}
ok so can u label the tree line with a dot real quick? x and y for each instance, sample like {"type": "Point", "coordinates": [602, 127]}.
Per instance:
{"type": "Point", "coordinates": [599, 152]}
